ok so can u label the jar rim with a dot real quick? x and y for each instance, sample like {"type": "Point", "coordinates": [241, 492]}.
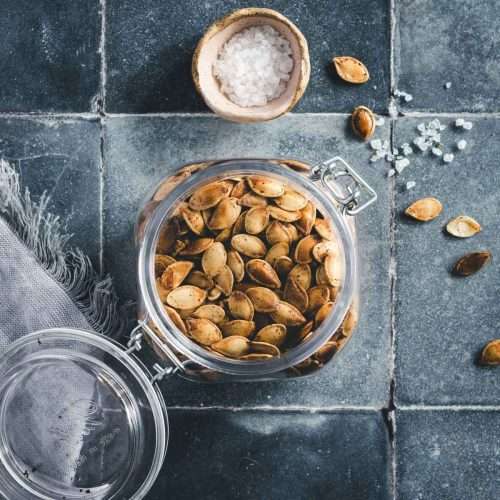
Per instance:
{"type": "Point", "coordinates": [154, 307]}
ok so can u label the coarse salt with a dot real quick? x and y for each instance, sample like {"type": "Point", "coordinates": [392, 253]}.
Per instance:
{"type": "Point", "coordinates": [254, 66]}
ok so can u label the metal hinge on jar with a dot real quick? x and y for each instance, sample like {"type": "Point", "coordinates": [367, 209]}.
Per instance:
{"type": "Point", "coordinates": [348, 188]}
{"type": "Point", "coordinates": [134, 344]}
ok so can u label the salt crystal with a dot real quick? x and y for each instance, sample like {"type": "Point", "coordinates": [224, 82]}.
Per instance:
{"type": "Point", "coordinates": [376, 144]}
{"type": "Point", "coordinates": [461, 145]}
{"type": "Point", "coordinates": [437, 151]}
{"type": "Point", "coordinates": [401, 164]}
{"type": "Point", "coordinates": [447, 85]}
{"type": "Point", "coordinates": [410, 185]}
{"type": "Point", "coordinates": [459, 122]}
{"type": "Point", "coordinates": [254, 65]}
{"type": "Point", "coordinates": [448, 157]}
{"type": "Point", "coordinates": [391, 173]}
{"type": "Point", "coordinates": [467, 125]}
{"type": "Point", "coordinates": [408, 97]}
{"type": "Point", "coordinates": [379, 121]}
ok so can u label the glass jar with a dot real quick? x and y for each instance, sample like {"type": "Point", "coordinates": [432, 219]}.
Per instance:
{"type": "Point", "coordinates": [337, 192]}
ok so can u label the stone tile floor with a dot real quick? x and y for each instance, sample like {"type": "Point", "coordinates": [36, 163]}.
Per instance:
{"type": "Point", "coordinates": [97, 105]}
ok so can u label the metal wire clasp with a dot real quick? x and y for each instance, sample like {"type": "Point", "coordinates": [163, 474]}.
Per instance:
{"type": "Point", "coordinates": [135, 344]}
{"type": "Point", "coordinates": [349, 189]}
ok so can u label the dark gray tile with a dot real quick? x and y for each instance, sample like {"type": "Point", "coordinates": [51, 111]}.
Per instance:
{"type": "Point", "coordinates": [50, 56]}
{"type": "Point", "coordinates": [456, 41]}
{"type": "Point", "coordinates": [443, 321]}
{"type": "Point", "coordinates": [62, 157]}
{"type": "Point", "coordinates": [447, 455]}
{"type": "Point", "coordinates": [139, 151]}
{"type": "Point", "coordinates": [248, 455]}
{"type": "Point", "coordinates": [150, 44]}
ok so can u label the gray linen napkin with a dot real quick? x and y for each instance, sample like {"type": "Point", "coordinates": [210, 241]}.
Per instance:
{"type": "Point", "coordinates": [44, 284]}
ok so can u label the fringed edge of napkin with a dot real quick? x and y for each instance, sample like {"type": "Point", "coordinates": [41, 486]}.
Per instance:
{"type": "Point", "coordinates": [44, 234]}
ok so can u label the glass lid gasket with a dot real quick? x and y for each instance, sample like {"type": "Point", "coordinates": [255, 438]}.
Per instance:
{"type": "Point", "coordinates": [183, 344]}
{"type": "Point", "coordinates": [52, 344]}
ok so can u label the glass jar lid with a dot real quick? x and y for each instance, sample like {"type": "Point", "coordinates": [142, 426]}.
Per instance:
{"type": "Point", "coordinates": [80, 418]}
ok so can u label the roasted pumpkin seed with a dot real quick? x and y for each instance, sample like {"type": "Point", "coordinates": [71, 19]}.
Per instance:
{"type": "Point", "coordinates": [274, 334]}
{"type": "Point", "coordinates": [197, 246]}
{"type": "Point", "coordinates": [212, 312]}
{"type": "Point", "coordinates": [236, 264]}
{"type": "Point", "coordinates": [214, 259]}
{"type": "Point", "coordinates": [225, 214]}
{"type": "Point", "coordinates": [463, 226]}
{"type": "Point", "coordinates": [318, 296]}
{"type": "Point", "coordinates": [265, 186]}
{"type": "Point", "coordinates": [263, 299]}
{"type": "Point", "coordinates": [176, 273]}
{"type": "Point", "coordinates": [186, 297]}
{"type": "Point", "coordinates": [323, 312]}
{"type": "Point", "coordinates": [193, 219]}
{"type": "Point", "coordinates": [276, 233]}
{"type": "Point", "coordinates": [240, 306]}
{"type": "Point", "coordinates": [264, 348]}
{"type": "Point", "coordinates": [176, 319]}
{"type": "Point", "coordinates": [256, 220]}
{"type": "Point", "coordinates": [425, 209]}
{"type": "Point", "coordinates": [262, 272]}
{"type": "Point", "coordinates": [239, 327]}
{"type": "Point", "coordinates": [471, 263]}
{"type": "Point", "coordinates": [307, 219]}
{"type": "Point", "coordinates": [490, 354]}
{"type": "Point", "coordinates": [199, 279]}
{"type": "Point", "coordinates": [278, 250]}
{"type": "Point", "coordinates": [161, 263]}
{"type": "Point", "coordinates": [209, 196]}
{"type": "Point", "coordinates": [287, 314]}
{"type": "Point", "coordinates": [225, 280]}
{"type": "Point", "coordinates": [283, 266]}
{"type": "Point", "coordinates": [351, 69]}
{"type": "Point", "coordinates": [248, 245]}
{"type": "Point", "coordinates": [296, 295]}
{"type": "Point", "coordinates": [284, 215]}
{"type": "Point", "coordinates": [252, 200]}
{"type": "Point", "coordinates": [304, 249]}
{"type": "Point", "coordinates": [301, 273]}
{"type": "Point", "coordinates": [203, 331]}
{"type": "Point", "coordinates": [363, 122]}
{"type": "Point", "coordinates": [291, 200]}
{"type": "Point", "coordinates": [234, 346]}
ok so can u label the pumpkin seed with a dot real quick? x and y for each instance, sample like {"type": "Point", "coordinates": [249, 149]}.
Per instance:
{"type": "Point", "coordinates": [167, 237]}
{"type": "Point", "coordinates": [305, 331]}
{"type": "Point", "coordinates": [323, 312]}
{"type": "Point", "coordinates": [350, 320]}
{"type": "Point", "coordinates": [276, 232]}
{"type": "Point", "coordinates": [161, 263]}
{"type": "Point", "coordinates": [193, 219]}
{"type": "Point", "coordinates": [239, 189]}
{"type": "Point", "coordinates": [296, 295]}
{"type": "Point", "coordinates": [278, 250]}
{"type": "Point", "coordinates": [224, 235]}
{"type": "Point", "coordinates": [214, 294]}
{"type": "Point", "coordinates": [463, 226]}
{"type": "Point", "coordinates": [256, 220]}
{"type": "Point", "coordinates": [322, 249]}
{"type": "Point", "coordinates": [236, 264]}
{"type": "Point", "coordinates": [274, 334]}
{"type": "Point", "coordinates": [255, 356]}
{"type": "Point", "coordinates": [324, 229]}
{"type": "Point", "coordinates": [240, 306]}
{"type": "Point", "coordinates": [318, 296]}
{"type": "Point", "coordinates": [212, 312]}
{"type": "Point", "coordinates": [491, 353]}
{"type": "Point", "coordinates": [425, 209]}
{"type": "Point", "coordinates": [303, 251]}
{"type": "Point", "coordinates": [209, 196]}
{"type": "Point", "coordinates": [471, 263]}
{"type": "Point", "coordinates": [186, 313]}
{"type": "Point", "coordinates": [199, 279]}
{"type": "Point", "coordinates": [197, 246]}
{"type": "Point", "coordinates": [363, 122]}
{"type": "Point", "coordinates": [284, 215]}
{"type": "Point", "coordinates": [225, 280]}
{"type": "Point", "coordinates": [169, 184]}
{"type": "Point", "coordinates": [351, 70]}
{"type": "Point", "coordinates": [283, 266]}
{"type": "Point", "coordinates": [252, 200]}
{"type": "Point", "coordinates": [287, 314]}
{"type": "Point", "coordinates": [333, 266]}
{"type": "Point", "coordinates": [176, 319]}
{"type": "Point", "coordinates": [301, 273]}
{"type": "Point", "coordinates": [264, 348]}
{"type": "Point", "coordinates": [186, 297]}
{"type": "Point", "coordinates": [248, 245]}
{"type": "Point", "coordinates": [203, 331]}
{"type": "Point", "coordinates": [162, 291]}
{"type": "Point", "coordinates": [263, 299]}
{"type": "Point", "coordinates": [233, 347]}
{"type": "Point", "coordinates": [175, 273]}
{"type": "Point", "coordinates": [206, 215]}
{"type": "Point", "coordinates": [291, 200]}
{"type": "Point", "coordinates": [262, 272]}
{"type": "Point", "coordinates": [225, 214]}
{"type": "Point", "coordinates": [239, 225]}
{"type": "Point", "coordinates": [214, 259]}
{"type": "Point", "coordinates": [326, 351]}
{"type": "Point", "coordinates": [265, 186]}
{"type": "Point", "coordinates": [307, 219]}
{"type": "Point", "coordinates": [239, 327]}
{"type": "Point", "coordinates": [292, 231]}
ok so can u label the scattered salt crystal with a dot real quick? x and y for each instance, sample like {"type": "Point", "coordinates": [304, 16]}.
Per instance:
{"type": "Point", "coordinates": [421, 127]}
{"type": "Point", "coordinates": [401, 164]}
{"type": "Point", "coordinates": [467, 125]}
{"type": "Point", "coordinates": [459, 122]}
{"type": "Point", "coordinates": [447, 85]}
{"type": "Point", "coordinates": [410, 185]}
{"type": "Point", "coordinates": [391, 173]}
{"type": "Point", "coordinates": [379, 121]}
{"type": "Point", "coordinates": [254, 66]}
{"type": "Point", "coordinates": [437, 151]}
{"type": "Point", "coordinates": [462, 144]}
{"type": "Point", "coordinates": [376, 144]}
{"type": "Point", "coordinates": [408, 97]}
{"type": "Point", "coordinates": [448, 157]}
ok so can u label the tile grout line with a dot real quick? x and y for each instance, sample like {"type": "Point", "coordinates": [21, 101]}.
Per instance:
{"type": "Point", "coordinates": [279, 409]}
{"type": "Point", "coordinates": [102, 52]}
{"type": "Point", "coordinates": [393, 113]}
{"type": "Point", "coordinates": [101, 196]}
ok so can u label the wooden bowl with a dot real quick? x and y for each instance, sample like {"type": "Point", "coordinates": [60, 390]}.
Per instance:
{"type": "Point", "coordinates": [210, 45]}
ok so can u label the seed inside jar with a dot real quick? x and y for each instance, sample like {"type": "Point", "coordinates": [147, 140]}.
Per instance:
{"type": "Point", "coordinates": [251, 267]}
